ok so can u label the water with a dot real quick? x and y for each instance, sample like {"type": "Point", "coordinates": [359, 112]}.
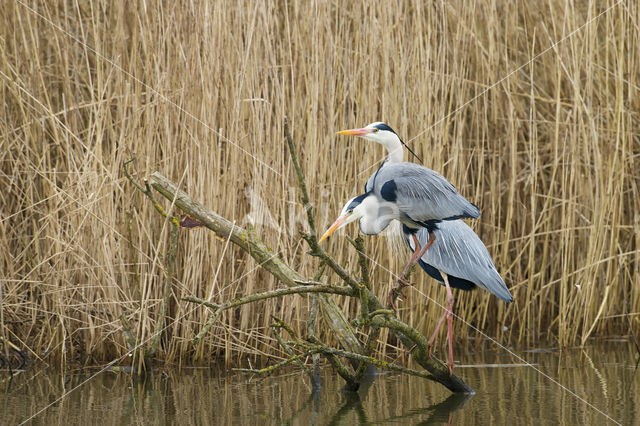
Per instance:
{"type": "Point", "coordinates": [603, 375]}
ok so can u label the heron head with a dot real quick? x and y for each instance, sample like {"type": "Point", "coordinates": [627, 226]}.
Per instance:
{"type": "Point", "coordinates": [383, 134]}
{"type": "Point", "coordinates": [376, 132]}
{"type": "Point", "coordinates": [352, 211]}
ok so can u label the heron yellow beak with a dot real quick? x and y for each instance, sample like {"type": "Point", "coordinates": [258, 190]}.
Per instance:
{"type": "Point", "coordinates": [355, 132]}
{"type": "Point", "coordinates": [336, 225]}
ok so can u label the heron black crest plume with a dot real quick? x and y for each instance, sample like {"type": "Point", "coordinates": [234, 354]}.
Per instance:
{"type": "Point", "coordinates": [384, 126]}
{"type": "Point", "coordinates": [411, 151]}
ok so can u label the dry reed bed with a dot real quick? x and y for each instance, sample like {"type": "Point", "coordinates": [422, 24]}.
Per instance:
{"type": "Point", "coordinates": [199, 91]}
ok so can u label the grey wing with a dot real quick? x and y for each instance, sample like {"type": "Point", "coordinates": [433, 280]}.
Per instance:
{"type": "Point", "coordinates": [368, 187]}
{"type": "Point", "coordinates": [421, 193]}
{"type": "Point", "coordinates": [459, 252]}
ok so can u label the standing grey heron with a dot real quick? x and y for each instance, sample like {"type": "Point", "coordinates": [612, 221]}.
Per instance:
{"type": "Point", "coordinates": [458, 258]}
{"type": "Point", "coordinates": [383, 134]}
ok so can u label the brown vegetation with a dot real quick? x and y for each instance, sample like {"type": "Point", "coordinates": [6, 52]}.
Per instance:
{"type": "Point", "coordinates": [530, 109]}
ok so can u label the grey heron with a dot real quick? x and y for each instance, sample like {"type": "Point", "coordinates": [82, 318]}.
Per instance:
{"type": "Point", "coordinates": [458, 258]}
{"type": "Point", "coordinates": [384, 135]}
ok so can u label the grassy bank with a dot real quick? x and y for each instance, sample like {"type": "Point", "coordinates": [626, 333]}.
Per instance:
{"type": "Point", "coordinates": [531, 110]}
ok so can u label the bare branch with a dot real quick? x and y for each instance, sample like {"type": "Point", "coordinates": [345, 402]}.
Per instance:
{"type": "Point", "coordinates": [345, 291]}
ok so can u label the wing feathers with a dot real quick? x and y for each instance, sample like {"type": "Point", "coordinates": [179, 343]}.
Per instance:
{"type": "Point", "coordinates": [420, 193]}
{"type": "Point", "coordinates": [459, 252]}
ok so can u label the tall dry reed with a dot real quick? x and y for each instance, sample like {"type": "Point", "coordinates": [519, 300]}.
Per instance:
{"type": "Point", "coordinates": [530, 109]}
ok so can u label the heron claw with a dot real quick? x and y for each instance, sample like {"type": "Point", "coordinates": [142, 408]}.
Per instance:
{"type": "Point", "coordinates": [392, 295]}
{"type": "Point", "coordinates": [396, 292]}
{"type": "Point", "coordinates": [403, 283]}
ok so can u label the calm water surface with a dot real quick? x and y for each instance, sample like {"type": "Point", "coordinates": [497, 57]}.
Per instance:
{"type": "Point", "coordinates": [602, 375]}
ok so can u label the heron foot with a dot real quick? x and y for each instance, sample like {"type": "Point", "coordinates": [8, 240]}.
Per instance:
{"type": "Point", "coordinates": [402, 282]}
{"type": "Point", "coordinates": [397, 291]}
{"type": "Point", "coordinates": [393, 294]}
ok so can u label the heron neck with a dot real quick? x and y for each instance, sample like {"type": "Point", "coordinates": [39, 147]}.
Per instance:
{"type": "Point", "coordinates": [376, 215]}
{"type": "Point", "coordinates": [395, 150]}
{"type": "Point", "coordinates": [373, 225]}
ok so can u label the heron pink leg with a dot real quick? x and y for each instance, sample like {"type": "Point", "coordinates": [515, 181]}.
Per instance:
{"type": "Point", "coordinates": [417, 254]}
{"type": "Point", "coordinates": [449, 315]}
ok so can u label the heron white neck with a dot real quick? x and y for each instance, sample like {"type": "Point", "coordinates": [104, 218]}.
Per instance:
{"type": "Point", "coordinates": [394, 149]}
{"type": "Point", "coordinates": [376, 214]}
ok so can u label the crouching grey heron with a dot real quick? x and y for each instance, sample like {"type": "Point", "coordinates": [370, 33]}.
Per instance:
{"type": "Point", "coordinates": [457, 256]}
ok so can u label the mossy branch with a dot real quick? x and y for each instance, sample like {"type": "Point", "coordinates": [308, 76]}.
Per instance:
{"type": "Point", "coordinates": [303, 186]}
{"type": "Point", "coordinates": [363, 260]}
{"type": "Point", "coordinates": [274, 367]}
{"type": "Point", "coordinates": [302, 289]}
{"type": "Point", "coordinates": [326, 350]}
{"type": "Point", "coordinates": [311, 238]}
{"type": "Point", "coordinates": [276, 326]}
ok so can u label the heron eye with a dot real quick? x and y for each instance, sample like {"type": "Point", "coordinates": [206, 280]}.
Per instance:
{"type": "Point", "coordinates": [350, 211]}
{"type": "Point", "coordinates": [375, 130]}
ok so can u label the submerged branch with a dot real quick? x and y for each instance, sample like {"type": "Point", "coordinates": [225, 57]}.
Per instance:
{"type": "Point", "coordinates": [378, 363]}
{"type": "Point", "coordinates": [333, 352]}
